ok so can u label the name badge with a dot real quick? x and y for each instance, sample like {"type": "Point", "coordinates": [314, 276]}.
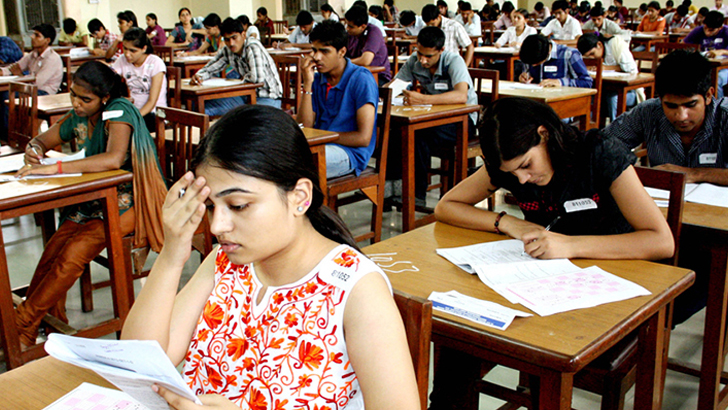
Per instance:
{"type": "Point", "coordinates": [441, 86]}
{"type": "Point", "coordinates": [708, 158]}
{"type": "Point", "coordinates": [579, 205]}
{"type": "Point", "coordinates": [550, 69]}
{"type": "Point", "coordinates": [108, 115]}
{"type": "Point", "coordinates": [718, 40]}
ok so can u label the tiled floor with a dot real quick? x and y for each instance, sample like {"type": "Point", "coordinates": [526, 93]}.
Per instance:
{"type": "Point", "coordinates": [24, 247]}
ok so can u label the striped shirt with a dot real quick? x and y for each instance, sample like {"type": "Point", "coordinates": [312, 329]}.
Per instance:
{"type": "Point", "coordinates": [254, 65]}
{"type": "Point", "coordinates": [647, 123]}
{"type": "Point", "coordinates": [455, 35]}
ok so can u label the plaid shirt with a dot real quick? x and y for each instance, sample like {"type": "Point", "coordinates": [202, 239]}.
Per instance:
{"type": "Point", "coordinates": [107, 41]}
{"type": "Point", "coordinates": [455, 35]}
{"type": "Point", "coordinates": [255, 65]}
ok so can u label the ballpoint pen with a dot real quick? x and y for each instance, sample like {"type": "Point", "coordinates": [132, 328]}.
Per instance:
{"type": "Point", "coordinates": [548, 228]}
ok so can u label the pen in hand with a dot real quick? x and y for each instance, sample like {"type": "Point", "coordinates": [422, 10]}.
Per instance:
{"type": "Point", "coordinates": [548, 228]}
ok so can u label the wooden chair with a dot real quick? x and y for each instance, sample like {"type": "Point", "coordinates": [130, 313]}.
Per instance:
{"type": "Point", "coordinates": [166, 53]}
{"type": "Point", "coordinates": [174, 87]}
{"type": "Point", "coordinates": [650, 57]}
{"type": "Point", "coordinates": [279, 25]}
{"type": "Point", "coordinates": [289, 70]}
{"type": "Point", "coordinates": [479, 75]}
{"type": "Point", "coordinates": [596, 119]}
{"type": "Point", "coordinates": [67, 73]}
{"type": "Point", "coordinates": [22, 114]}
{"type": "Point", "coordinates": [664, 48]}
{"type": "Point", "coordinates": [370, 183]}
{"type": "Point", "coordinates": [417, 317]}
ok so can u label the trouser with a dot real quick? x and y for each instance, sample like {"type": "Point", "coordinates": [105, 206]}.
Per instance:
{"type": "Point", "coordinates": [610, 100]}
{"type": "Point", "coordinates": [453, 385]}
{"type": "Point", "coordinates": [440, 139]}
{"type": "Point", "coordinates": [337, 161]}
{"type": "Point", "coordinates": [66, 254]}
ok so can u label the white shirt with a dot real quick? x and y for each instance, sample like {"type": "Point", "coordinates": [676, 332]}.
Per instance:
{"type": "Point", "coordinates": [569, 31]}
{"type": "Point", "coordinates": [414, 29]}
{"type": "Point", "coordinates": [473, 28]}
{"type": "Point", "coordinates": [378, 24]}
{"type": "Point", "coordinates": [334, 17]}
{"type": "Point", "coordinates": [297, 36]}
{"type": "Point", "coordinates": [510, 35]}
{"type": "Point", "coordinates": [723, 9]}
{"type": "Point", "coordinates": [455, 35]}
{"type": "Point", "coordinates": [617, 53]}
{"type": "Point", "coordinates": [252, 30]}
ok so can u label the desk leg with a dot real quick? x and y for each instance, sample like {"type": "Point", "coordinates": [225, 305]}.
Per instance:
{"type": "Point", "coordinates": [461, 152]}
{"type": "Point", "coordinates": [510, 70]}
{"type": "Point", "coordinates": [121, 282]}
{"type": "Point", "coordinates": [254, 95]}
{"type": "Point", "coordinates": [651, 362]}
{"type": "Point", "coordinates": [9, 339]}
{"type": "Point", "coordinates": [621, 102]}
{"type": "Point", "coordinates": [319, 158]}
{"type": "Point", "coordinates": [555, 390]}
{"type": "Point", "coordinates": [200, 102]}
{"type": "Point", "coordinates": [714, 334]}
{"type": "Point", "coordinates": [408, 178]}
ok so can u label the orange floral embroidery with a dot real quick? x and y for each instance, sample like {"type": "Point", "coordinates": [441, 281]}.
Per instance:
{"type": "Point", "coordinates": [310, 355]}
{"type": "Point", "coordinates": [236, 348]}
{"type": "Point", "coordinates": [347, 259]}
{"type": "Point", "coordinates": [257, 401]}
{"type": "Point", "coordinates": [291, 320]}
{"type": "Point", "coordinates": [213, 315]}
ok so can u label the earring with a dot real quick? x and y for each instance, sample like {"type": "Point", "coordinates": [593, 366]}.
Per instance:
{"type": "Point", "coordinates": [299, 209]}
{"type": "Point", "coordinates": [307, 203]}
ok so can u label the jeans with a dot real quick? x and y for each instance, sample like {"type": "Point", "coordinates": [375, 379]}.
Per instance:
{"type": "Point", "coordinates": [609, 103]}
{"type": "Point", "coordinates": [337, 161]}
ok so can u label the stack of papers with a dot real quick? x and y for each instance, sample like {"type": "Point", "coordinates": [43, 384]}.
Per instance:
{"type": "Point", "coordinates": [704, 193]}
{"type": "Point", "coordinates": [544, 286]}
{"type": "Point", "coordinates": [91, 396]}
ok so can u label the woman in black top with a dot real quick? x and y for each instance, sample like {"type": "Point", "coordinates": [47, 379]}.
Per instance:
{"type": "Point", "coordinates": [584, 182]}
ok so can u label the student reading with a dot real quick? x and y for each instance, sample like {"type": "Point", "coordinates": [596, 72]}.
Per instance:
{"type": "Point", "coordinates": [112, 131]}
{"type": "Point", "coordinates": [286, 313]}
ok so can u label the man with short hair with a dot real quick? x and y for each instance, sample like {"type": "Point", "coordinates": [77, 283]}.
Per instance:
{"type": "Point", "coordinates": [299, 36]}
{"type": "Point", "coordinates": [668, 8]}
{"type": "Point", "coordinates": [42, 62]}
{"type": "Point", "coordinates": [340, 97]}
{"type": "Point", "coordinates": [455, 35]}
{"type": "Point", "coordinates": [366, 46]}
{"type": "Point", "coordinates": [719, 6]}
{"type": "Point", "coordinates": [442, 8]}
{"type": "Point", "coordinates": [444, 79]}
{"type": "Point", "coordinates": [604, 26]}
{"type": "Point", "coordinates": [103, 38]}
{"type": "Point", "coordinates": [562, 26]}
{"type": "Point", "coordinates": [373, 21]}
{"type": "Point", "coordinates": [712, 37]}
{"type": "Point", "coordinates": [250, 59]}
{"type": "Point", "coordinates": [411, 23]}
{"type": "Point", "coordinates": [212, 41]}
{"type": "Point", "coordinates": [552, 64]}
{"type": "Point", "coordinates": [678, 21]}
{"type": "Point", "coordinates": [71, 34]}
{"type": "Point", "coordinates": [696, 20]}
{"type": "Point", "coordinates": [469, 19]}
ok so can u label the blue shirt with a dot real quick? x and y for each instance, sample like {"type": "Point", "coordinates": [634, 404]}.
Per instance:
{"type": "Point", "coordinates": [355, 89]}
{"type": "Point", "coordinates": [9, 51]}
{"type": "Point", "coordinates": [564, 64]}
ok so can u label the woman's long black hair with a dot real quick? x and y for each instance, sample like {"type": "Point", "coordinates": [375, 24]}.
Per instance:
{"type": "Point", "coordinates": [101, 80]}
{"type": "Point", "coordinates": [266, 143]}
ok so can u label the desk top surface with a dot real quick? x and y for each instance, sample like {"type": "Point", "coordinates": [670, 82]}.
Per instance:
{"type": "Point", "coordinates": [505, 51]}
{"type": "Point", "coordinates": [545, 94]}
{"type": "Point", "coordinates": [211, 87]}
{"type": "Point", "coordinates": [423, 113]}
{"type": "Point", "coordinates": [566, 340]}
{"type": "Point", "coordinates": [617, 79]}
{"type": "Point", "coordinates": [4, 80]}
{"type": "Point", "coordinates": [18, 192]}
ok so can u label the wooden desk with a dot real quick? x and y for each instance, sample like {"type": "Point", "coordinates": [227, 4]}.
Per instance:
{"type": "Point", "coordinates": [195, 96]}
{"type": "Point", "coordinates": [190, 64]}
{"type": "Point", "coordinates": [624, 84]}
{"type": "Point", "coordinates": [6, 80]}
{"type": "Point", "coordinates": [647, 40]}
{"type": "Point", "coordinates": [568, 102]}
{"type": "Point", "coordinates": [494, 53]}
{"type": "Point", "coordinates": [554, 347]}
{"type": "Point", "coordinates": [288, 51]}
{"type": "Point", "coordinates": [40, 383]}
{"type": "Point", "coordinates": [19, 198]}
{"type": "Point", "coordinates": [52, 107]}
{"type": "Point", "coordinates": [411, 119]}
{"type": "Point", "coordinates": [568, 43]}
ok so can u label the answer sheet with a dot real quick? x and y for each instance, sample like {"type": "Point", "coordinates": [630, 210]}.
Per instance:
{"type": "Point", "coordinates": [89, 396]}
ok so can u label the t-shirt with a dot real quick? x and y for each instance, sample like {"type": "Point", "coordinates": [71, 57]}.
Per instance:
{"type": "Point", "coordinates": [587, 177]}
{"type": "Point", "coordinates": [180, 36]}
{"type": "Point", "coordinates": [75, 38]}
{"type": "Point", "coordinates": [287, 352]}
{"type": "Point", "coordinates": [474, 27]}
{"type": "Point", "coordinates": [298, 37]}
{"type": "Point", "coordinates": [335, 108]}
{"type": "Point", "coordinates": [570, 30]}
{"type": "Point", "coordinates": [510, 35]}
{"type": "Point", "coordinates": [716, 42]}
{"type": "Point", "coordinates": [160, 38]}
{"type": "Point", "coordinates": [370, 40]}
{"type": "Point", "coordinates": [139, 79]}
{"type": "Point", "coordinates": [649, 26]}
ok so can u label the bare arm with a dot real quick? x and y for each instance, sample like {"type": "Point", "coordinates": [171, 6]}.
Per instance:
{"type": "Point", "coordinates": [364, 60]}
{"type": "Point", "coordinates": [305, 113]}
{"type": "Point", "coordinates": [154, 91]}
{"type": "Point", "coordinates": [205, 45]}
{"type": "Point", "coordinates": [365, 117]}
{"type": "Point", "coordinates": [459, 95]}
{"type": "Point", "coordinates": [469, 55]}
{"type": "Point", "coordinates": [717, 176]}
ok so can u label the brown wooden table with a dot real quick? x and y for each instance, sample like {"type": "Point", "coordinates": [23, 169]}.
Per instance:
{"type": "Point", "coordinates": [551, 348]}
{"type": "Point", "coordinates": [6, 80]}
{"type": "Point", "coordinates": [40, 383]}
{"type": "Point", "coordinates": [190, 64]}
{"type": "Point", "coordinates": [495, 53]}
{"type": "Point", "coordinates": [624, 84]}
{"type": "Point", "coordinates": [288, 51]}
{"type": "Point", "coordinates": [716, 65]}
{"type": "Point", "coordinates": [52, 107]}
{"type": "Point", "coordinates": [647, 40]}
{"type": "Point", "coordinates": [568, 102]}
{"type": "Point", "coordinates": [25, 197]}
{"type": "Point", "coordinates": [411, 119]}
{"type": "Point", "coordinates": [195, 96]}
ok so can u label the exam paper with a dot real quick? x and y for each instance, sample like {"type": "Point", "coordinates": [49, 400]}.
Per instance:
{"type": "Point", "coordinates": [479, 311]}
{"type": "Point", "coordinates": [498, 276]}
{"type": "Point", "coordinates": [53, 157]}
{"type": "Point", "coordinates": [194, 58]}
{"type": "Point", "coordinates": [519, 86]}
{"type": "Point", "coordinates": [131, 365]}
{"type": "Point", "coordinates": [11, 163]}
{"type": "Point", "coordinates": [708, 194]}
{"type": "Point", "coordinates": [215, 82]}
{"type": "Point", "coordinates": [488, 253]}
{"type": "Point", "coordinates": [93, 397]}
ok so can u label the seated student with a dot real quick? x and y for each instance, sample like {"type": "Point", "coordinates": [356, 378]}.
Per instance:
{"type": "Point", "coordinates": [71, 35]}
{"type": "Point", "coordinates": [444, 79]}
{"type": "Point", "coordinates": [623, 11]}
{"type": "Point", "coordinates": [391, 12]}
{"type": "Point", "coordinates": [299, 36]}
{"type": "Point", "coordinates": [373, 21]}
{"type": "Point", "coordinates": [583, 15]}
{"type": "Point", "coordinates": [713, 39]}
{"type": "Point", "coordinates": [541, 12]}
{"type": "Point", "coordinates": [552, 65]}
{"type": "Point", "coordinates": [442, 9]}
{"type": "Point", "coordinates": [265, 25]}
{"type": "Point", "coordinates": [9, 51]}
{"type": "Point", "coordinates": [366, 46]}
{"type": "Point", "coordinates": [652, 23]}
{"type": "Point", "coordinates": [250, 59]}
{"type": "Point", "coordinates": [328, 13]}
{"type": "Point", "coordinates": [144, 73]}
{"type": "Point", "coordinates": [547, 165]}
{"type": "Point", "coordinates": [42, 62]}
{"type": "Point", "coordinates": [616, 56]}
{"type": "Point", "coordinates": [719, 6]}
{"type": "Point", "coordinates": [678, 21]}
{"type": "Point", "coordinates": [504, 21]}
{"type": "Point", "coordinates": [574, 8]}
{"type": "Point", "coordinates": [213, 40]}
{"type": "Point", "coordinates": [469, 20]}
{"type": "Point", "coordinates": [103, 38]}
{"type": "Point", "coordinates": [309, 321]}
{"type": "Point", "coordinates": [113, 134]}
{"type": "Point", "coordinates": [613, 15]}
{"type": "Point", "coordinates": [698, 18]}
{"type": "Point", "coordinates": [411, 23]}
{"type": "Point", "coordinates": [669, 8]}
{"type": "Point", "coordinates": [455, 35]}
{"type": "Point", "coordinates": [251, 30]}
{"type": "Point", "coordinates": [376, 12]}
{"type": "Point", "coordinates": [685, 129]}
{"type": "Point", "coordinates": [126, 19]}
{"type": "Point", "coordinates": [605, 27]}
{"type": "Point", "coordinates": [155, 32]}
{"type": "Point", "coordinates": [562, 26]}
{"type": "Point", "coordinates": [515, 34]}
{"type": "Point", "coordinates": [186, 32]}
{"type": "Point", "coordinates": [341, 97]}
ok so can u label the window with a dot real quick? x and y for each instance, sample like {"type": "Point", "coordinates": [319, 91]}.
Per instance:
{"type": "Point", "coordinates": [41, 11]}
